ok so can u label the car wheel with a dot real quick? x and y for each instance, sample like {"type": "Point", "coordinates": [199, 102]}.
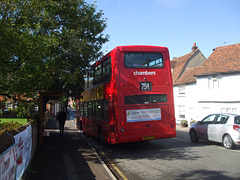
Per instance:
{"type": "Point", "coordinates": [193, 136]}
{"type": "Point", "coordinates": [228, 142]}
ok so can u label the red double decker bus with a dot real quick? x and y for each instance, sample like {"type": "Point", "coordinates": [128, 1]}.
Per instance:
{"type": "Point", "coordinates": [129, 96]}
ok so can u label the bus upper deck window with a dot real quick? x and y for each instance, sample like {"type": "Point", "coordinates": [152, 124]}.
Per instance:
{"type": "Point", "coordinates": [143, 60]}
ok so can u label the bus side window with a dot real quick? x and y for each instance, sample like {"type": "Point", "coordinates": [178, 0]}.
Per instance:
{"type": "Point", "coordinates": [81, 109]}
{"type": "Point", "coordinates": [91, 77]}
{"type": "Point", "coordinates": [98, 109]}
{"type": "Point", "coordinates": [90, 109]}
{"type": "Point", "coordinates": [107, 70]}
{"type": "Point", "coordinates": [98, 74]}
{"type": "Point", "coordinates": [105, 110]}
{"type": "Point", "coordinates": [86, 80]}
{"type": "Point", "coordinates": [85, 111]}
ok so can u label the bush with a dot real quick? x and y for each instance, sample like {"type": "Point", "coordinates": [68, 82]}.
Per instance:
{"type": "Point", "coordinates": [24, 109]}
{"type": "Point", "coordinates": [184, 123]}
{"type": "Point", "coordinates": [9, 126]}
{"type": "Point", "coordinates": [193, 121]}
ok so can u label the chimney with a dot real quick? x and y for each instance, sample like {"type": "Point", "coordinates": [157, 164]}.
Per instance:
{"type": "Point", "coordinates": [194, 48]}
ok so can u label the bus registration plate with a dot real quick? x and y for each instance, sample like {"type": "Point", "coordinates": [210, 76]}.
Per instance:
{"type": "Point", "coordinates": [146, 86]}
{"type": "Point", "coordinates": [148, 138]}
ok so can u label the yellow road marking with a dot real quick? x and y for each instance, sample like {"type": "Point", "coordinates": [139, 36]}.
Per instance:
{"type": "Point", "coordinates": [114, 166]}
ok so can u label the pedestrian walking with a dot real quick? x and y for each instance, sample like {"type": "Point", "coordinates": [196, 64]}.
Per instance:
{"type": "Point", "coordinates": [61, 117]}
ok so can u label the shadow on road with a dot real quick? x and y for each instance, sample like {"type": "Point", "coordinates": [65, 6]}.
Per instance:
{"type": "Point", "coordinates": [204, 174]}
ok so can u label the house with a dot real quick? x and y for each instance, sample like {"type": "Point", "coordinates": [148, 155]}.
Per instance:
{"type": "Point", "coordinates": [184, 83]}
{"type": "Point", "coordinates": [208, 87]}
{"type": "Point", "coordinates": [218, 81]}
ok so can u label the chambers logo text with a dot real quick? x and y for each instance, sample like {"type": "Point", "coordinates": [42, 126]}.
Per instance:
{"type": "Point", "coordinates": [146, 73]}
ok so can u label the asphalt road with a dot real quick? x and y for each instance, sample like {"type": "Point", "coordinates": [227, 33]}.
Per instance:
{"type": "Point", "coordinates": [175, 158]}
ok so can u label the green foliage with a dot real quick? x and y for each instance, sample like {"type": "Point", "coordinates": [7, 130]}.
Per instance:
{"type": "Point", "coordinates": [47, 45]}
{"type": "Point", "coordinates": [184, 122]}
{"type": "Point", "coordinates": [9, 126]}
{"type": "Point", "coordinates": [192, 121]}
{"type": "Point", "coordinates": [25, 109]}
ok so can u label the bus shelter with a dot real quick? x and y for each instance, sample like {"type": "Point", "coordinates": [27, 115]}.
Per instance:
{"type": "Point", "coordinates": [44, 98]}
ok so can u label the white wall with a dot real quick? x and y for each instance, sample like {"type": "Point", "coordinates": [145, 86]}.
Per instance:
{"type": "Point", "coordinates": [187, 100]}
{"type": "Point", "coordinates": [227, 88]}
{"type": "Point", "coordinates": [210, 94]}
{"type": "Point", "coordinates": [224, 97]}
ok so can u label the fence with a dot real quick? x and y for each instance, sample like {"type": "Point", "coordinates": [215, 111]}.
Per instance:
{"type": "Point", "coordinates": [16, 150]}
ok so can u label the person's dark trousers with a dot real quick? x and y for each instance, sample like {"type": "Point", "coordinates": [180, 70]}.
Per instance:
{"type": "Point", "coordinates": [61, 127]}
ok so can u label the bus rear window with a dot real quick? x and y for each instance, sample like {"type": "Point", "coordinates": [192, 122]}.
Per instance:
{"type": "Point", "coordinates": [143, 60]}
{"type": "Point", "coordinates": [145, 99]}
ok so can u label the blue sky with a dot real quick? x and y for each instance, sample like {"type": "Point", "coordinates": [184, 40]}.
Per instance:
{"type": "Point", "coordinates": [175, 24]}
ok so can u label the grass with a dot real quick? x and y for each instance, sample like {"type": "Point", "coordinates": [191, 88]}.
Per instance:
{"type": "Point", "coordinates": [22, 121]}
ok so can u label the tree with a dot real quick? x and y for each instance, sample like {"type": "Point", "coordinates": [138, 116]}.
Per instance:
{"type": "Point", "coordinates": [47, 45]}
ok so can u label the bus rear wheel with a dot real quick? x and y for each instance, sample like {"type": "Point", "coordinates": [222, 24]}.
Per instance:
{"type": "Point", "coordinates": [100, 135]}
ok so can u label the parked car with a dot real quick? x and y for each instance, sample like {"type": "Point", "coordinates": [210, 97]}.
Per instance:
{"type": "Point", "coordinates": [219, 127]}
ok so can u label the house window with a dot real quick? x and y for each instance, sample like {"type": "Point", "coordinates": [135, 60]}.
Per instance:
{"type": "Point", "coordinates": [209, 82]}
{"type": "Point", "coordinates": [229, 110]}
{"type": "Point", "coordinates": [181, 89]}
{"type": "Point", "coordinates": [213, 82]}
{"type": "Point", "coordinates": [181, 109]}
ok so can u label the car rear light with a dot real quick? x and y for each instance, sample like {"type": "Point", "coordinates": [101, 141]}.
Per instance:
{"type": "Point", "coordinates": [236, 127]}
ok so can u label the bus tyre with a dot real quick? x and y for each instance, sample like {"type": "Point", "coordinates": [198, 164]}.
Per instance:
{"type": "Point", "coordinates": [193, 136]}
{"type": "Point", "coordinates": [100, 135]}
{"type": "Point", "coordinates": [228, 142]}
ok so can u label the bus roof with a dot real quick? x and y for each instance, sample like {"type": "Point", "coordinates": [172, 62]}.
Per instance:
{"type": "Point", "coordinates": [132, 48]}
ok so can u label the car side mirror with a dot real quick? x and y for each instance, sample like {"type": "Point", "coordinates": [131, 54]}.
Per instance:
{"type": "Point", "coordinates": [199, 122]}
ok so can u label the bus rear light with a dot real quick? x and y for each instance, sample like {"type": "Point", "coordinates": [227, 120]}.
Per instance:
{"type": "Point", "coordinates": [236, 127]}
{"type": "Point", "coordinates": [121, 84]}
{"type": "Point", "coordinates": [113, 139]}
{"type": "Point", "coordinates": [122, 130]}
{"type": "Point", "coordinates": [121, 123]}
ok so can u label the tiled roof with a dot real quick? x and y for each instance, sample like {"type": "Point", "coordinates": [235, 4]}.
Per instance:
{"type": "Point", "coordinates": [188, 76]}
{"type": "Point", "coordinates": [183, 72]}
{"type": "Point", "coordinates": [224, 59]}
{"type": "Point", "coordinates": [178, 65]}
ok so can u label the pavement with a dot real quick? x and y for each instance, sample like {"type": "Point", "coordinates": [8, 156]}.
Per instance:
{"type": "Point", "coordinates": [65, 157]}
{"type": "Point", "coordinates": [68, 156]}
{"type": "Point", "coordinates": [180, 128]}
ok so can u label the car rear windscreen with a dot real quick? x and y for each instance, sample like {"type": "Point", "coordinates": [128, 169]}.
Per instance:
{"type": "Point", "coordinates": [237, 120]}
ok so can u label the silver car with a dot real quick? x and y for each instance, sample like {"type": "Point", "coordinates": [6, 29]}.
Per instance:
{"type": "Point", "coordinates": [219, 127]}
